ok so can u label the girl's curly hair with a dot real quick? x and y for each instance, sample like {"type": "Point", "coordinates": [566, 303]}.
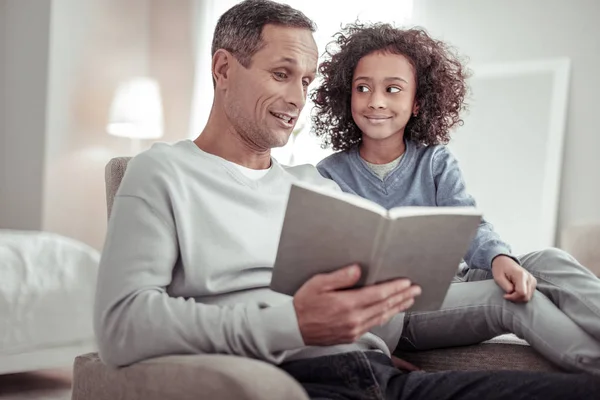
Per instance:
{"type": "Point", "coordinates": [440, 77]}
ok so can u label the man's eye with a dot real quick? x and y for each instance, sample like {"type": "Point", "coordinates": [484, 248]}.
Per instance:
{"type": "Point", "coordinates": [394, 89]}
{"type": "Point", "coordinates": [305, 83]}
{"type": "Point", "coordinates": [280, 75]}
{"type": "Point", "coordinates": [362, 88]}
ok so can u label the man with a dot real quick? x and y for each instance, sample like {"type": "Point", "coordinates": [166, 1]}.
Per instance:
{"type": "Point", "coordinates": [194, 231]}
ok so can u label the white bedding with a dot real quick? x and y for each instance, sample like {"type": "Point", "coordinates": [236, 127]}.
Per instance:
{"type": "Point", "coordinates": [47, 285]}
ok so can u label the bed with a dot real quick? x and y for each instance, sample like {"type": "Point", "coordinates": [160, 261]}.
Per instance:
{"type": "Point", "coordinates": [47, 285]}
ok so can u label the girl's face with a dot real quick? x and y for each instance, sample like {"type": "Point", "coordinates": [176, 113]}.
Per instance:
{"type": "Point", "coordinates": [383, 94]}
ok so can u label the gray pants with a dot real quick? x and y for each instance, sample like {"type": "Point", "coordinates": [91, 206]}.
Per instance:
{"type": "Point", "coordinates": [561, 321]}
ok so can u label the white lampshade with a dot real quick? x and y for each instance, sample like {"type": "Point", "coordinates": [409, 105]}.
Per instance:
{"type": "Point", "coordinates": [136, 111]}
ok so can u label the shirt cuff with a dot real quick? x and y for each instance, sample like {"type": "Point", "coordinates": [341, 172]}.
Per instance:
{"type": "Point", "coordinates": [507, 255]}
{"type": "Point", "coordinates": [495, 251]}
{"type": "Point", "coordinates": [280, 330]}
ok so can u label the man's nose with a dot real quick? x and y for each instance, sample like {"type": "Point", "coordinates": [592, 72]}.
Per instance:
{"type": "Point", "coordinates": [297, 95]}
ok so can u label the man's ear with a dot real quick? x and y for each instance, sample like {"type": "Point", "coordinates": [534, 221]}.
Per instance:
{"type": "Point", "coordinates": [222, 62]}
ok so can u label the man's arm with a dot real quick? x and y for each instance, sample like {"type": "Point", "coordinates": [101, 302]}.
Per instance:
{"type": "Point", "coordinates": [451, 192]}
{"type": "Point", "coordinates": [135, 318]}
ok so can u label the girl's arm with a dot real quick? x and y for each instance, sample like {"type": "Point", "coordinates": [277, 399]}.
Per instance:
{"type": "Point", "coordinates": [451, 192]}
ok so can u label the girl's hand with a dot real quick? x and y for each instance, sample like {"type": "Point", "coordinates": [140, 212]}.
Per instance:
{"type": "Point", "coordinates": [516, 281]}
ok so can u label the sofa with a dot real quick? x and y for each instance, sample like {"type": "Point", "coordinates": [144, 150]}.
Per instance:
{"type": "Point", "coordinates": [230, 377]}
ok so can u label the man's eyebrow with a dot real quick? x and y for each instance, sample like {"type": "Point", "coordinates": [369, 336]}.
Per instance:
{"type": "Point", "coordinates": [389, 78]}
{"type": "Point", "coordinates": [293, 61]}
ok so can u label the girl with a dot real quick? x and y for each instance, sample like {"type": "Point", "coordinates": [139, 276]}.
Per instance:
{"type": "Point", "coordinates": [387, 104]}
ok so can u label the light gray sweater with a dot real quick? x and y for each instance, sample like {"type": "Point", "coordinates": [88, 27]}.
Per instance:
{"type": "Point", "coordinates": [187, 263]}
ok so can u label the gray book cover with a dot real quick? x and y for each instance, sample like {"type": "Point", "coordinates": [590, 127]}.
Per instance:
{"type": "Point", "coordinates": [326, 230]}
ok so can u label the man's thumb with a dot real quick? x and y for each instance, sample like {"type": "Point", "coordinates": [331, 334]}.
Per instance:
{"type": "Point", "coordinates": [341, 279]}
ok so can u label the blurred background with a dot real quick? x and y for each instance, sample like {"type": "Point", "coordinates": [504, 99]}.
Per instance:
{"type": "Point", "coordinates": [62, 63]}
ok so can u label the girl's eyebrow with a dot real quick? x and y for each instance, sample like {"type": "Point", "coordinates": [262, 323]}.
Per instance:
{"type": "Point", "coordinates": [389, 78]}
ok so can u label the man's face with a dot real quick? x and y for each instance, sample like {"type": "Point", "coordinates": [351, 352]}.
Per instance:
{"type": "Point", "coordinates": [263, 101]}
{"type": "Point", "coordinates": [383, 94]}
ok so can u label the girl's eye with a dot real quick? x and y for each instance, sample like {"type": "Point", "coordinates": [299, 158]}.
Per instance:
{"type": "Point", "coordinates": [305, 84]}
{"type": "Point", "coordinates": [394, 89]}
{"type": "Point", "coordinates": [362, 88]}
{"type": "Point", "coordinates": [280, 75]}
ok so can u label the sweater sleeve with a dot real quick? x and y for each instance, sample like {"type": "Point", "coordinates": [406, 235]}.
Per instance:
{"type": "Point", "coordinates": [451, 192]}
{"type": "Point", "coordinates": [135, 318]}
{"type": "Point", "coordinates": [323, 170]}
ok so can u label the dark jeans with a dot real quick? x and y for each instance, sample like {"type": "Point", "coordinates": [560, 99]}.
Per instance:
{"type": "Point", "coordinates": [372, 376]}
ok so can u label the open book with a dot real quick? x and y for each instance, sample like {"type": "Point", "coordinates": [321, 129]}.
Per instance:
{"type": "Point", "coordinates": [325, 230]}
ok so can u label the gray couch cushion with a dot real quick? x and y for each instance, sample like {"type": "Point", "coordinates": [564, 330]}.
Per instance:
{"type": "Point", "coordinates": [583, 243]}
{"type": "Point", "coordinates": [190, 377]}
{"type": "Point", "coordinates": [506, 352]}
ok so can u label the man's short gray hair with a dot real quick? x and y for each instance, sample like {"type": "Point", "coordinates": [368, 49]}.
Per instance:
{"type": "Point", "coordinates": [239, 30]}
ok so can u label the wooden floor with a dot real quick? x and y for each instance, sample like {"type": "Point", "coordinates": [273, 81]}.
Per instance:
{"type": "Point", "coordinates": [42, 385]}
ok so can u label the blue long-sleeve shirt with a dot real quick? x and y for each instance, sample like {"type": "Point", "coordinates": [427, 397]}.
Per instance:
{"type": "Point", "coordinates": [425, 176]}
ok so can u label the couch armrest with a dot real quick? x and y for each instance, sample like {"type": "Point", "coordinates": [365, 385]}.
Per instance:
{"type": "Point", "coordinates": [182, 378]}
{"type": "Point", "coordinates": [583, 243]}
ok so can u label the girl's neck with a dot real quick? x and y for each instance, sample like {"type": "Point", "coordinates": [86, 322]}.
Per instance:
{"type": "Point", "coordinates": [382, 151]}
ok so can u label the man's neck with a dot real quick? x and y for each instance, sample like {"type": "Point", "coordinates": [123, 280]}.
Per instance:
{"type": "Point", "coordinates": [223, 141]}
{"type": "Point", "coordinates": [382, 151]}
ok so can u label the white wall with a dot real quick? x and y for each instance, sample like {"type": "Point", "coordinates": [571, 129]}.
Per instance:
{"type": "Point", "coordinates": [3, 168]}
{"type": "Point", "coordinates": [24, 31]}
{"type": "Point", "coordinates": [513, 30]}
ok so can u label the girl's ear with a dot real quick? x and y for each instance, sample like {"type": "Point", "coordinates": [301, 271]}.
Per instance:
{"type": "Point", "coordinates": [415, 111]}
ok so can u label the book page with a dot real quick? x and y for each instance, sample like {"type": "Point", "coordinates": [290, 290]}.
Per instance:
{"type": "Point", "coordinates": [427, 249]}
{"type": "Point", "coordinates": [322, 234]}
{"type": "Point", "coordinates": [400, 212]}
{"type": "Point", "coordinates": [345, 197]}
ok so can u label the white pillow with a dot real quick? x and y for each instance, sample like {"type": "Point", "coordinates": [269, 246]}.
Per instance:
{"type": "Point", "coordinates": [36, 259]}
